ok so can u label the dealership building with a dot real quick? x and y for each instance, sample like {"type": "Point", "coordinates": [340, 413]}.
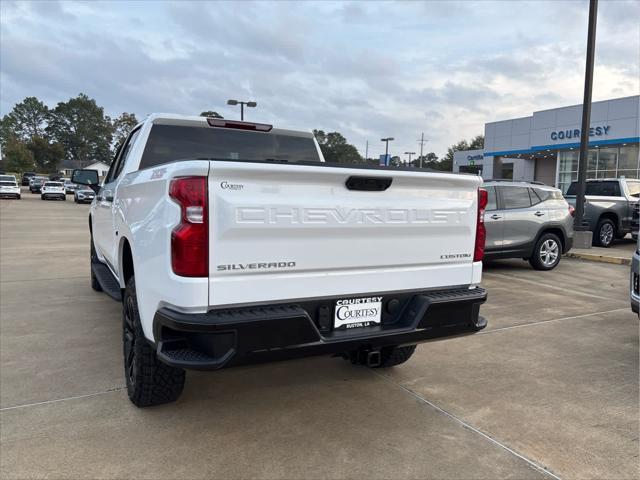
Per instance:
{"type": "Point", "coordinates": [545, 147]}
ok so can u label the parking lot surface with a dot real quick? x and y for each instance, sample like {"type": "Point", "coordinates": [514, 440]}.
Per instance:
{"type": "Point", "coordinates": [548, 390]}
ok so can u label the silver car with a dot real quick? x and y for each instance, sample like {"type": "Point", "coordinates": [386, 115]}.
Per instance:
{"type": "Point", "coordinates": [529, 221]}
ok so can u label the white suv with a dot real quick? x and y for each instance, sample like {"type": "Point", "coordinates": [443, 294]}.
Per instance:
{"type": "Point", "coordinates": [52, 190]}
{"type": "Point", "coordinates": [9, 187]}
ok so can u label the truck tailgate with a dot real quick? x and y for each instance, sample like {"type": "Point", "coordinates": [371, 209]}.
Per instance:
{"type": "Point", "coordinates": [288, 231]}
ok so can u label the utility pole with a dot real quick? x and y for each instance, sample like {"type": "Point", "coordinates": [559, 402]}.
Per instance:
{"type": "Point", "coordinates": [366, 151]}
{"type": "Point", "coordinates": [584, 237]}
{"type": "Point", "coordinates": [422, 141]}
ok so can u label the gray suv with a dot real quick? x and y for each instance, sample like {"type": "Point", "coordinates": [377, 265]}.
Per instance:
{"type": "Point", "coordinates": [529, 221]}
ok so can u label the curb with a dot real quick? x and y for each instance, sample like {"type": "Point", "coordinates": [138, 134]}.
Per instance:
{"type": "Point", "coordinates": [594, 257]}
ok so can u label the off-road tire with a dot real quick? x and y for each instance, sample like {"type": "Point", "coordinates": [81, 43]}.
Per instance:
{"type": "Point", "coordinates": [94, 258]}
{"type": "Point", "coordinates": [149, 381]}
{"type": "Point", "coordinates": [597, 240]}
{"type": "Point", "coordinates": [392, 356]}
{"type": "Point", "coordinates": [536, 259]}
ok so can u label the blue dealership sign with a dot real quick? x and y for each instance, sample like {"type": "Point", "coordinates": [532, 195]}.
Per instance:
{"type": "Point", "coordinates": [575, 133]}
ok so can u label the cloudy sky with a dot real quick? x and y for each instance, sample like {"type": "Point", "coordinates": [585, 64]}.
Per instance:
{"type": "Point", "coordinates": [365, 69]}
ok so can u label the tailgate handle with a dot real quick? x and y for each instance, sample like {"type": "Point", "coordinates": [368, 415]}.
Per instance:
{"type": "Point", "coordinates": [368, 184]}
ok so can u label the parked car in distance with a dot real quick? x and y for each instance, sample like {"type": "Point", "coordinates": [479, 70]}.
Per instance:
{"type": "Point", "coordinates": [9, 187]}
{"type": "Point", "coordinates": [83, 194]}
{"type": "Point", "coordinates": [635, 279]}
{"type": "Point", "coordinates": [69, 187]}
{"type": "Point", "coordinates": [35, 184]}
{"type": "Point", "coordinates": [53, 190]}
{"type": "Point", "coordinates": [26, 176]}
{"type": "Point", "coordinates": [608, 207]}
{"type": "Point", "coordinates": [529, 221]}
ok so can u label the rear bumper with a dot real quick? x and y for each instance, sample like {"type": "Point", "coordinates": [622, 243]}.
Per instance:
{"type": "Point", "coordinates": [227, 337]}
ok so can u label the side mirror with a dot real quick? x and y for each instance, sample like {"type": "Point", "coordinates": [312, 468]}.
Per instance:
{"type": "Point", "coordinates": [86, 177]}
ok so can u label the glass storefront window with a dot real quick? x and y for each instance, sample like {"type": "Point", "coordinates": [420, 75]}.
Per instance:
{"type": "Point", "coordinates": [606, 162]}
{"type": "Point", "coordinates": [569, 161]}
{"type": "Point", "coordinates": [628, 157]}
{"type": "Point", "coordinates": [592, 160]}
{"type": "Point", "coordinates": [628, 173]}
{"type": "Point", "coordinates": [607, 159]}
{"type": "Point", "coordinates": [606, 174]}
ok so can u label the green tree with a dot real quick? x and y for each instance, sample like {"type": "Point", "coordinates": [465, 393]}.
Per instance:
{"type": "Point", "coordinates": [477, 142]}
{"type": "Point", "coordinates": [395, 161]}
{"type": "Point", "coordinates": [335, 148]}
{"type": "Point", "coordinates": [122, 126]}
{"type": "Point", "coordinates": [211, 114]}
{"type": "Point", "coordinates": [47, 156]}
{"type": "Point", "coordinates": [81, 126]}
{"type": "Point", "coordinates": [17, 157]}
{"type": "Point", "coordinates": [28, 119]}
{"type": "Point", "coordinates": [446, 164]}
{"type": "Point", "coordinates": [428, 161]}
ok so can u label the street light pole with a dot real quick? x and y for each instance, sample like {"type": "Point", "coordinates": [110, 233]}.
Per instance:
{"type": "Point", "coordinates": [386, 148]}
{"type": "Point", "coordinates": [242, 104]}
{"type": "Point", "coordinates": [422, 141]}
{"type": "Point", "coordinates": [409, 153]}
{"type": "Point", "coordinates": [586, 120]}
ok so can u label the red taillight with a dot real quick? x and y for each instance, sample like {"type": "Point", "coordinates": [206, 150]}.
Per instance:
{"type": "Point", "coordinates": [572, 211]}
{"type": "Point", "coordinates": [481, 231]}
{"type": "Point", "coordinates": [190, 239]}
{"type": "Point", "coordinates": [218, 122]}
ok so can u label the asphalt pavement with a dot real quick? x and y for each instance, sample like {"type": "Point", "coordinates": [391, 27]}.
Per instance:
{"type": "Point", "coordinates": [548, 390]}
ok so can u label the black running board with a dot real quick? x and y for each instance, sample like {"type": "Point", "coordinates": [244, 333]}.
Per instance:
{"type": "Point", "coordinates": [107, 281]}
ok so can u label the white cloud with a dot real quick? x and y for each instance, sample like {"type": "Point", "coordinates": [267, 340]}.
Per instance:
{"type": "Point", "coordinates": [365, 69]}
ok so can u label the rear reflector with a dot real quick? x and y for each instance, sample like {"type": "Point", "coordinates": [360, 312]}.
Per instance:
{"type": "Point", "coordinates": [260, 127]}
{"type": "Point", "coordinates": [190, 239]}
{"type": "Point", "coordinates": [481, 231]}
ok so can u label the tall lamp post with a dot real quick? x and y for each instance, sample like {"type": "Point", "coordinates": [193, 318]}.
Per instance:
{"type": "Point", "coordinates": [584, 236]}
{"type": "Point", "coordinates": [409, 153]}
{"type": "Point", "coordinates": [422, 141]}
{"type": "Point", "coordinates": [386, 148]}
{"type": "Point", "coordinates": [242, 104]}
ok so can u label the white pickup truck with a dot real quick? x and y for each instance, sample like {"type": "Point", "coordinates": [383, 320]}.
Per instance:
{"type": "Point", "coordinates": [232, 242]}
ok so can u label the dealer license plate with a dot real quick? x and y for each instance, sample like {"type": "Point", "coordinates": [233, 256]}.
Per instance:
{"type": "Point", "coordinates": [357, 313]}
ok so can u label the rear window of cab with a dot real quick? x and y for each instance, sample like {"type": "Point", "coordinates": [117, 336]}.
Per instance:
{"type": "Point", "coordinates": [170, 143]}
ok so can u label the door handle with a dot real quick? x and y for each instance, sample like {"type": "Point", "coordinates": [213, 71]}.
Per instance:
{"type": "Point", "coordinates": [496, 217]}
{"type": "Point", "coordinates": [538, 214]}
